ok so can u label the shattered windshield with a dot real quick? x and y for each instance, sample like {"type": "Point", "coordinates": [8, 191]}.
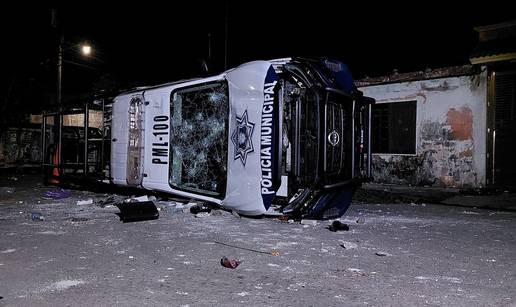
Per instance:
{"type": "Point", "coordinates": [199, 140]}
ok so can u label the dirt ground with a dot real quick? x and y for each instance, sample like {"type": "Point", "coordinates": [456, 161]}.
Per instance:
{"type": "Point", "coordinates": [394, 254]}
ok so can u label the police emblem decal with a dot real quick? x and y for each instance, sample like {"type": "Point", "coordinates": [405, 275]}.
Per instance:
{"type": "Point", "coordinates": [242, 137]}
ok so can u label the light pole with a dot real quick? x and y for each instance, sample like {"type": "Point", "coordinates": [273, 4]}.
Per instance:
{"type": "Point", "coordinates": [59, 70]}
{"type": "Point", "coordinates": [86, 50]}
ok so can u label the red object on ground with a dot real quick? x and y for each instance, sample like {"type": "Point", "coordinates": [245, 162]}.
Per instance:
{"type": "Point", "coordinates": [229, 263]}
{"type": "Point", "coordinates": [54, 178]}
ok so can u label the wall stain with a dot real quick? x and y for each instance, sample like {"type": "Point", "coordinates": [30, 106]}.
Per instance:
{"type": "Point", "coordinates": [461, 123]}
{"type": "Point", "coordinates": [443, 87]}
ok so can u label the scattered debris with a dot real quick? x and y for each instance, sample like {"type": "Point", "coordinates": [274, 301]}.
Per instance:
{"type": "Point", "coordinates": [13, 178]}
{"type": "Point", "coordinates": [202, 214]}
{"type": "Point", "coordinates": [357, 272]}
{"type": "Point", "coordinates": [309, 222]}
{"type": "Point", "coordinates": [137, 211]}
{"type": "Point", "coordinates": [284, 217]}
{"type": "Point", "coordinates": [361, 220]}
{"type": "Point", "coordinates": [338, 226]}
{"type": "Point", "coordinates": [170, 205]}
{"type": "Point", "coordinates": [348, 245]}
{"type": "Point", "coordinates": [36, 216]}
{"type": "Point", "coordinates": [217, 212]}
{"type": "Point", "coordinates": [203, 207]}
{"type": "Point", "coordinates": [79, 219]}
{"type": "Point", "coordinates": [57, 194]}
{"type": "Point", "coordinates": [273, 253]}
{"type": "Point", "coordinates": [221, 212]}
{"type": "Point", "coordinates": [7, 190]}
{"type": "Point", "coordinates": [186, 207]}
{"type": "Point", "coordinates": [290, 221]}
{"type": "Point", "coordinates": [137, 199]}
{"type": "Point", "coordinates": [88, 201]}
{"type": "Point", "coordinates": [229, 263]}
{"type": "Point", "coordinates": [111, 200]}
{"type": "Point", "coordinates": [382, 254]}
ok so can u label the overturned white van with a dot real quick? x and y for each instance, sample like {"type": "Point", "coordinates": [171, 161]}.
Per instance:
{"type": "Point", "coordinates": [291, 133]}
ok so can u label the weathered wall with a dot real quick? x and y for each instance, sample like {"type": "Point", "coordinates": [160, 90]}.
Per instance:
{"type": "Point", "coordinates": [450, 132]}
{"type": "Point", "coordinates": [21, 146]}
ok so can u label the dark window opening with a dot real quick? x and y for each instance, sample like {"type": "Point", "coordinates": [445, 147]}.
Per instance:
{"type": "Point", "coordinates": [394, 128]}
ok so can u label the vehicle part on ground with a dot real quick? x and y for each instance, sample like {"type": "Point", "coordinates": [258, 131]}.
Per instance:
{"type": "Point", "coordinates": [137, 211]}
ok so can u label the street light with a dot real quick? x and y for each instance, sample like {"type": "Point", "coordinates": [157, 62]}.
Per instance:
{"type": "Point", "coordinates": [86, 49]}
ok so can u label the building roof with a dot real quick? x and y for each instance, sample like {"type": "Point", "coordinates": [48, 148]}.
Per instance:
{"type": "Point", "coordinates": [496, 43]}
{"type": "Point", "coordinates": [437, 73]}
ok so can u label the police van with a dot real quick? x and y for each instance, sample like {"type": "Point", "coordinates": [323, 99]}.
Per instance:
{"type": "Point", "coordinates": [289, 134]}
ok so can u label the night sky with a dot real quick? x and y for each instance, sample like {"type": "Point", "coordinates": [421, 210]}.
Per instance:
{"type": "Point", "coordinates": [146, 46]}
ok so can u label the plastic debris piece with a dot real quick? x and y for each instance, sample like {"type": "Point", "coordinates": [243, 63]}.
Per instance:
{"type": "Point", "coordinates": [229, 263]}
{"type": "Point", "coordinates": [36, 216]}
{"type": "Point", "coordinates": [88, 201]}
{"type": "Point", "coordinates": [309, 222]}
{"type": "Point", "coordinates": [338, 226]}
{"type": "Point", "coordinates": [57, 194]}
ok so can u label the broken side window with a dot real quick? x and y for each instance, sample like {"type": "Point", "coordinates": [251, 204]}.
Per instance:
{"type": "Point", "coordinates": [394, 128]}
{"type": "Point", "coordinates": [199, 142]}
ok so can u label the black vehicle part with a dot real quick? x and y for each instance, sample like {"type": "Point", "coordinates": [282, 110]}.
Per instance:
{"type": "Point", "coordinates": [295, 207]}
{"type": "Point", "coordinates": [203, 207]}
{"type": "Point", "coordinates": [137, 211]}
{"type": "Point", "coordinates": [329, 205]}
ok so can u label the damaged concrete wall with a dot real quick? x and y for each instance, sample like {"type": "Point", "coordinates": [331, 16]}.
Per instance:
{"type": "Point", "coordinates": [450, 132]}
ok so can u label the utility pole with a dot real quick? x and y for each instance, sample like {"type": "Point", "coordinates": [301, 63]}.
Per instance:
{"type": "Point", "coordinates": [55, 24]}
{"type": "Point", "coordinates": [59, 70]}
{"type": "Point", "coordinates": [226, 36]}
{"type": "Point", "coordinates": [59, 117]}
{"type": "Point", "coordinates": [209, 46]}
